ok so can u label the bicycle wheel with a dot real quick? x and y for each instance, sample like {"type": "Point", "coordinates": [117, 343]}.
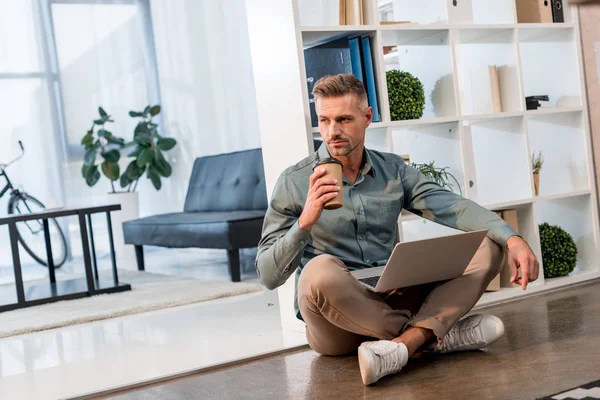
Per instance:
{"type": "Point", "coordinates": [31, 233]}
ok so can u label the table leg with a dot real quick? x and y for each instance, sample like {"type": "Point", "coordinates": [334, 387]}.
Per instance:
{"type": "Point", "coordinates": [49, 258]}
{"type": "Point", "coordinates": [112, 248]}
{"type": "Point", "coordinates": [14, 245]}
{"type": "Point", "coordinates": [94, 260]}
{"type": "Point", "coordinates": [86, 254]}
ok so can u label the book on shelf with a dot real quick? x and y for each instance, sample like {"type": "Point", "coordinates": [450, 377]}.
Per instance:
{"type": "Point", "coordinates": [329, 58]}
{"type": "Point", "coordinates": [398, 23]}
{"type": "Point", "coordinates": [370, 84]}
{"type": "Point", "coordinates": [495, 86]}
{"type": "Point", "coordinates": [356, 59]}
{"type": "Point", "coordinates": [354, 12]}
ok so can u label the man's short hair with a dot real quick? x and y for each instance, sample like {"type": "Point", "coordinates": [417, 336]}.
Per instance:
{"type": "Point", "coordinates": [341, 85]}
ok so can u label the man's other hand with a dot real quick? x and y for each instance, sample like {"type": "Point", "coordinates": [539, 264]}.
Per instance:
{"type": "Point", "coordinates": [520, 256]}
{"type": "Point", "coordinates": [321, 190]}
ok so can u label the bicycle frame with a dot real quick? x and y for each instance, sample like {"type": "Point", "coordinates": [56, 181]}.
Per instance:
{"type": "Point", "coordinates": [9, 184]}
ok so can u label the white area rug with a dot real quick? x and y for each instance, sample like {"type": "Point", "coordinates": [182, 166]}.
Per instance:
{"type": "Point", "coordinates": [149, 292]}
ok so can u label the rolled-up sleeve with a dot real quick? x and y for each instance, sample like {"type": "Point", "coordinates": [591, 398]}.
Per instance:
{"type": "Point", "coordinates": [283, 241]}
{"type": "Point", "coordinates": [429, 200]}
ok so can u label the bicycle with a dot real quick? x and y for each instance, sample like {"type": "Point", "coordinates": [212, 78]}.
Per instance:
{"type": "Point", "coordinates": [31, 233]}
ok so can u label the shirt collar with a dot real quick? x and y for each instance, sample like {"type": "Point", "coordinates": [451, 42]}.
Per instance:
{"type": "Point", "coordinates": [367, 168]}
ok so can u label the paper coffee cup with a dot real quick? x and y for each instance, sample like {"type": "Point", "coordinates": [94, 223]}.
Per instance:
{"type": "Point", "coordinates": [334, 170]}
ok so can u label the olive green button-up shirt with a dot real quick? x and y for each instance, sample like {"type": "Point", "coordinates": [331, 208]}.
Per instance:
{"type": "Point", "coordinates": [363, 232]}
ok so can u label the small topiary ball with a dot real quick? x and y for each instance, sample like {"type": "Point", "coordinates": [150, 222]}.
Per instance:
{"type": "Point", "coordinates": [559, 252]}
{"type": "Point", "coordinates": [406, 94]}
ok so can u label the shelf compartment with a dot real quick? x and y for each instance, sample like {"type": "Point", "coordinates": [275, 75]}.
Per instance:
{"type": "Point", "coordinates": [481, 12]}
{"type": "Point", "coordinates": [420, 12]}
{"type": "Point", "coordinates": [573, 214]}
{"type": "Point", "coordinates": [326, 13]}
{"type": "Point", "coordinates": [438, 143]}
{"type": "Point", "coordinates": [426, 54]}
{"type": "Point", "coordinates": [319, 35]}
{"type": "Point", "coordinates": [477, 50]}
{"type": "Point", "coordinates": [496, 153]}
{"type": "Point", "coordinates": [549, 65]}
{"type": "Point", "coordinates": [561, 139]}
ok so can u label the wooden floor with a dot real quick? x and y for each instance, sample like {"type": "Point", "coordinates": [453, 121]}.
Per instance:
{"type": "Point", "coordinates": [552, 343]}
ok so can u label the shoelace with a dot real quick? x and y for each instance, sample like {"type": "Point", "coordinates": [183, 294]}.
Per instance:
{"type": "Point", "coordinates": [463, 336]}
{"type": "Point", "coordinates": [389, 360]}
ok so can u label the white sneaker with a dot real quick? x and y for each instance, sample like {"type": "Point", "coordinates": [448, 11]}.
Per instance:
{"type": "Point", "coordinates": [472, 333]}
{"type": "Point", "coordinates": [380, 358]}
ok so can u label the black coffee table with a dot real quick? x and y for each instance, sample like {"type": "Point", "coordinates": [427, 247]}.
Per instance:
{"type": "Point", "coordinates": [24, 295]}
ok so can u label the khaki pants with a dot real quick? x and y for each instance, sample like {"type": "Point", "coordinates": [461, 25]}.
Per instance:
{"type": "Point", "coordinates": [340, 313]}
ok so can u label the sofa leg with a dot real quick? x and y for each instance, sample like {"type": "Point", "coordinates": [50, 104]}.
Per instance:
{"type": "Point", "coordinates": [233, 261]}
{"type": "Point", "coordinates": [139, 256]}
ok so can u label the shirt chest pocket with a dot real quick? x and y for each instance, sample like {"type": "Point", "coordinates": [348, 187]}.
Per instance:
{"type": "Point", "coordinates": [382, 218]}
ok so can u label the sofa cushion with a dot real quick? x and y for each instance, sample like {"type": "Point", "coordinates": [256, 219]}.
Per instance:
{"type": "Point", "coordinates": [220, 230]}
{"type": "Point", "coordinates": [227, 182]}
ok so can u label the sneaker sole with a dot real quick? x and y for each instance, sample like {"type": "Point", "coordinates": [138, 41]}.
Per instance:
{"type": "Point", "coordinates": [364, 363]}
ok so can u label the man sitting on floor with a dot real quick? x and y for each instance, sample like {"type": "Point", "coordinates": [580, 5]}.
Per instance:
{"type": "Point", "coordinates": [341, 315]}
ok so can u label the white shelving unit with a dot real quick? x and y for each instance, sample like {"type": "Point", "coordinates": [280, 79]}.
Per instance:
{"type": "Point", "coordinates": [449, 48]}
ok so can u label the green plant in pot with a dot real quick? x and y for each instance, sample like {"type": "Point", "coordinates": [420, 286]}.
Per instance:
{"type": "Point", "coordinates": [102, 151]}
{"type": "Point", "coordinates": [148, 153]}
{"type": "Point", "coordinates": [559, 251]}
{"type": "Point", "coordinates": [406, 95]}
{"type": "Point", "coordinates": [441, 176]}
{"type": "Point", "coordinates": [537, 162]}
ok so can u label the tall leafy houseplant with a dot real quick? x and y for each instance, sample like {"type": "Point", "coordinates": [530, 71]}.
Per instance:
{"type": "Point", "coordinates": [100, 142]}
{"type": "Point", "coordinates": [148, 156]}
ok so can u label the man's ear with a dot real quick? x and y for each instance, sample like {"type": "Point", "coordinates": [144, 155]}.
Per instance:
{"type": "Point", "coordinates": [368, 116]}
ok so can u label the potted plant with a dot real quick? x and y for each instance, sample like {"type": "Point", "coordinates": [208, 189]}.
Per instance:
{"type": "Point", "coordinates": [536, 165]}
{"type": "Point", "coordinates": [406, 95]}
{"type": "Point", "coordinates": [439, 175]}
{"type": "Point", "coordinates": [559, 251]}
{"type": "Point", "coordinates": [103, 151]}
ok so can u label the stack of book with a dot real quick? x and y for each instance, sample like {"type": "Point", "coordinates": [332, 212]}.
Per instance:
{"type": "Point", "coordinates": [349, 55]}
{"type": "Point", "coordinates": [539, 101]}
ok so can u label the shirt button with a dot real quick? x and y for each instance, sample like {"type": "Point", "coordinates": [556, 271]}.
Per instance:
{"type": "Point", "coordinates": [359, 212]}
{"type": "Point", "coordinates": [302, 242]}
{"type": "Point", "coordinates": [362, 237]}
{"type": "Point", "coordinates": [368, 261]}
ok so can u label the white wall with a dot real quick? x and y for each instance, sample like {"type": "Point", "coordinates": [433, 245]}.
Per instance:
{"type": "Point", "coordinates": [206, 81]}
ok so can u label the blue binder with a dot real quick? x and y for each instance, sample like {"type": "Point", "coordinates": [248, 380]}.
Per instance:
{"type": "Point", "coordinates": [357, 68]}
{"type": "Point", "coordinates": [370, 77]}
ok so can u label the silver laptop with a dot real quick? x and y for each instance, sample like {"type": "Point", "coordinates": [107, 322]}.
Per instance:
{"type": "Point", "coordinates": [423, 261]}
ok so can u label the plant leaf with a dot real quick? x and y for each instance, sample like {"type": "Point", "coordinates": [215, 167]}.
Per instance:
{"type": "Point", "coordinates": [161, 166]}
{"type": "Point", "coordinates": [115, 140]}
{"type": "Point", "coordinates": [84, 170]}
{"type": "Point", "coordinates": [133, 172]}
{"type": "Point", "coordinates": [111, 170]}
{"type": "Point", "coordinates": [145, 157]}
{"type": "Point", "coordinates": [92, 176]}
{"type": "Point", "coordinates": [99, 121]}
{"type": "Point", "coordinates": [146, 111]}
{"type": "Point", "coordinates": [155, 178]}
{"type": "Point", "coordinates": [140, 129]}
{"type": "Point", "coordinates": [102, 112]}
{"type": "Point", "coordinates": [90, 157]}
{"type": "Point", "coordinates": [124, 180]}
{"type": "Point", "coordinates": [135, 114]}
{"type": "Point", "coordinates": [88, 139]}
{"type": "Point", "coordinates": [112, 156]}
{"type": "Point", "coordinates": [143, 140]}
{"type": "Point", "coordinates": [166, 143]}
{"type": "Point", "coordinates": [155, 110]}
{"type": "Point", "coordinates": [136, 153]}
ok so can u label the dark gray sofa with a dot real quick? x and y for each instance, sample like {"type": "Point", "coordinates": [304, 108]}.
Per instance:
{"type": "Point", "coordinates": [224, 208]}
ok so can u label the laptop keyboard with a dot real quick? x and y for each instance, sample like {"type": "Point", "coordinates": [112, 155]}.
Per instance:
{"type": "Point", "coordinates": [371, 281]}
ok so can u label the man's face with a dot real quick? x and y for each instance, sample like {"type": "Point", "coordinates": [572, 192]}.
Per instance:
{"type": "Point", "coordinates": [342, 123]}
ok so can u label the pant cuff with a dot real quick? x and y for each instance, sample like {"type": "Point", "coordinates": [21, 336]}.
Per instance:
{"type": "Point", "coordinates": [439, 329]}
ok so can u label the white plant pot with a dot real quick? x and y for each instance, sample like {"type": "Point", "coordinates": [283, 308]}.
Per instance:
{"type": "Point", "coordinates": [129, 202]}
